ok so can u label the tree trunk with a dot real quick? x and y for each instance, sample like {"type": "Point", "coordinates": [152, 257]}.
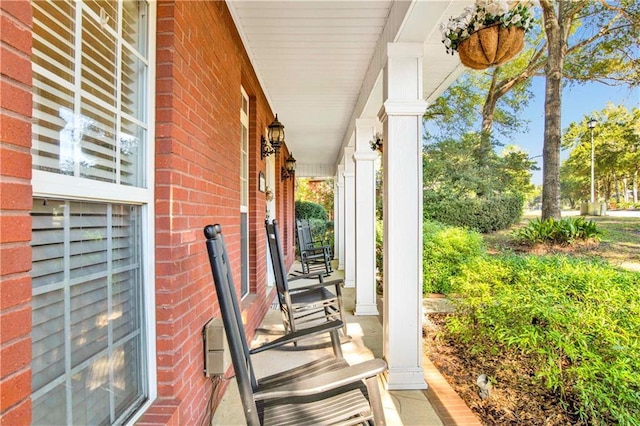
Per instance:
{"type": "Point", "coordinates": [607, 183]}
{"type": "Point", "coordinates": [625, 185]}
{"type": "Point", "coordinates": [635, 186]}
{"type": "Point", "coordinates": [486, 147]}
{"type": "Point", "coordinates": [552, 116]}
{"type": "Point", "coordinates": [558, 18]}
{"type": "Point", "coordinates": [490, 102]}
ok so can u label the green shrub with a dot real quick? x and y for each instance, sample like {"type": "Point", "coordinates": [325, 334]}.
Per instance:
{"type": "Point", "coordinates": [329, 236]}
{"type": "Point", "coordinates": [445, 250]}
{"type": "Point", "coordinates": [309, 210]}
{"type": "Point", "coordinates": [318, 228]}
{"type": "Point", "coordinates": [577, 322]}
{"type": "Point", "coordinates": [564, 231]}
{"type": "Point", "coordinates": [625, 205]}
{"type": "Point", "coordinates": [481, 214]}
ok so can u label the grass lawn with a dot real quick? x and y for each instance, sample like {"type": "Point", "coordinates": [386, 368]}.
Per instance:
{"type": "Point", "coordinates": [619, 244]}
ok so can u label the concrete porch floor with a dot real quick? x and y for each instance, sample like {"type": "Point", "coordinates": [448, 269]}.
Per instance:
{"type": "Point", "coordinates": [420, 407]}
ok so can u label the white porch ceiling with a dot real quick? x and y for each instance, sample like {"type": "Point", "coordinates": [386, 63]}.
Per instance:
{"type": "Point", "coordinates": [319, 61]}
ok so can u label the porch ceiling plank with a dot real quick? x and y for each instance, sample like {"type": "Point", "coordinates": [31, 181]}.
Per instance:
{"type": "Point", "coordinates": [346, 58]}
{"type": "Point", "coordinates": [277, 23]}
{"type": "Point", "coordinates": [315, 13]}
{"type": "Point", "coordinates": [293, 46]}
{"type": "Point", "coordinates": [339, 80]}
{"type": "Point", "coordinates": [333, 36]}
{"type": "Point", "coordinates": [342, 30]}
{"type": "Point", "coordinates": [306, 6]}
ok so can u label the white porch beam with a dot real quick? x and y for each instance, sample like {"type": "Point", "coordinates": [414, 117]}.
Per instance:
{"type": "Point", "coordinates": [401, 115]}
{"type": "Point", "coordinates": [349, 219]}
{"type": "Point", "coordinates": [365, 218]}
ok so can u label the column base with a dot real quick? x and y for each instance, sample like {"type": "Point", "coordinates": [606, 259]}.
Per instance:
{"type": "Point", "coordinates": [362, 310]}
{"type": "Point", "coordinates": [349, 283]}
{"type": "Point", "coordinates": [404, 379]}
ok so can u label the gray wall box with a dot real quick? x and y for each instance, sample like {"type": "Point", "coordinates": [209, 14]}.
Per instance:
{"type": "Point", "coordinates": [217, 359]}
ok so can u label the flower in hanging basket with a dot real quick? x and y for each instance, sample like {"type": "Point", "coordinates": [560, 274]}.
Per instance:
{"type": "Point", "coordinates": [489, 33]}
{"type": "Point", "coordinates": [376, 142]}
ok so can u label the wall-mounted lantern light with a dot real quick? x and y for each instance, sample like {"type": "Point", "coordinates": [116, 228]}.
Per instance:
{"type": "Point", "coordinates": [289, 169]}
{"type": "Point", "coordinates": [265, 148]}
{"type": "Point", "coordinates": [276, 133]}
{"type": "Point", "coordinates": [274, 140]}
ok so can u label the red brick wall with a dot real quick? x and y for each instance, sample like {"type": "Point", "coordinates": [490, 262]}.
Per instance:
{"type": "Point", "coordinates": [201, 66]}
{"type": "Point", "coordinates": [286, 205]}
{"type": "Point", "coordinates": [15, 204]}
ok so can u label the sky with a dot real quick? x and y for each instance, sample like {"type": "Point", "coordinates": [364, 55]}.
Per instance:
{"type": "Point", "coordinates": [578, 101]}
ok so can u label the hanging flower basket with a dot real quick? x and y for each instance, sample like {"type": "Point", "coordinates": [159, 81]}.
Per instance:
{"type": "Point", "coordinates": [376, 143]}
{"type": "Point", "coordinates": [489, 33]}
{"type": "Point", "coordinates": [489, 46]}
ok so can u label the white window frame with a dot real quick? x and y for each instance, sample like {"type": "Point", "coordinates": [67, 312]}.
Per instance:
{"type": "Point", "coordinates": [54, 185]}
{"type": "Point", "coordinates": [270, 165]}
{"type": "Point", "coordinates": [244, 208]}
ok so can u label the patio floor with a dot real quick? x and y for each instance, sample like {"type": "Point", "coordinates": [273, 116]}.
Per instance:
{"type": "Point", "coordinates": [437, 405]}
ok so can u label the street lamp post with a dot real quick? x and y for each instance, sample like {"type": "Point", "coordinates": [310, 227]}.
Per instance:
{"type": "Point", "coordinates": [592, 125]}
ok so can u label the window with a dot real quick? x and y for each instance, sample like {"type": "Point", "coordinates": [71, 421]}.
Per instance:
{"type": "Point", "coordinates": [87, 338]}
{"type": "Point", "coordinates": [89, 117]}
{"type": "Point", "coordinates": [91, 242]}
{"type": "Point", "coordinates": [244, 192]}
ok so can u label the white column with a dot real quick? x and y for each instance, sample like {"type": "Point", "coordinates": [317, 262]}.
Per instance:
{"type": "Point", "coordinates": [336, 218]}
{"type": "Point", "coordinates": [365, 218]}
{"type": "Point", "coordinates": [402, 115]}
{"type": "Point", "coordinates": [340, 217]}
{"type": "Point", "coordinates": [349, 219]}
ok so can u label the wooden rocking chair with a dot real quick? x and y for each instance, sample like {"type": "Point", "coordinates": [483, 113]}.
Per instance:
{"type": "Point", "coordinates": [327, 391]}
{"type": "Point", "coordinates": [312, 255]}
{"type": "Point", "coordinates": [303, 305]}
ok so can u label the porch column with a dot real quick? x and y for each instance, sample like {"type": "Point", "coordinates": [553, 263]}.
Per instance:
{"type": "Point", "coordinates": [340, 222]}
{"type": "Point", "coordinates": [401, 115]}
{"type": "Point", "coordinates": [336, 218]}
{"type": "Point", "coordinates": [349, 219]}
{"type": "Point", "coordinates": [365, 218]}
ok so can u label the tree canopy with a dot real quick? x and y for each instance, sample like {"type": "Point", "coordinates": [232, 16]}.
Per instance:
{"type": "Point", "coordinates": [616, 143]}
{"type": "Point", "coordinates": [316, 191]}
{"type": "Point", "coordinates": [461, 168]}
{"type": "Point", "coordinates": [575, 43]}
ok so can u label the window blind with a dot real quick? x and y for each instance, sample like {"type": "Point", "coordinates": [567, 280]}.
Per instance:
{"type": "Point", "coordinates": [90, 70]}
{"type": "Point", "coordinates": [86, 277]}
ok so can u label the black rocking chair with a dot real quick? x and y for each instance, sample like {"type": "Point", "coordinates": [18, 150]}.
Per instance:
{"type": "Point", "coordinates": [327, 391]}
{"type": "Point", "coordinates": [312, 255]}
{"type": "Point", "coordinates": [303, 305]}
